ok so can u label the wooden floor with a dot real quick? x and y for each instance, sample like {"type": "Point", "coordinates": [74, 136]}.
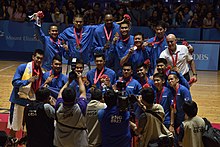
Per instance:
{"type": "Point", "coordinates": [205, 92]}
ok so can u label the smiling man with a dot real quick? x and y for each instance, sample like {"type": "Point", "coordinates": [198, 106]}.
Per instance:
{"type": "Point", "coordinates": [54, 80]}
{"type": "Point", "coordinates": [137, 54]}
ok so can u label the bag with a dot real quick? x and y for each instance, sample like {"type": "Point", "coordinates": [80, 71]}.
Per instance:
{"type": "Point", "coordinates": [211, 136]}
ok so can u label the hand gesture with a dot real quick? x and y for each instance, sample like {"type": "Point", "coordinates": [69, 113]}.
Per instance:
{"type": "Point", "coordinates": [116, 38]}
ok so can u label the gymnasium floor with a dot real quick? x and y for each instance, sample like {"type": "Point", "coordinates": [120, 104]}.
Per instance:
{"type": "Point", "coordinates": [205, 92]}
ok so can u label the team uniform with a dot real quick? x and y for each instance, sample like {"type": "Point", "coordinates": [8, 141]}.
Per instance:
{"type": "Point", "coordinates": [93, 77]}
{"type": "Point", "coordinates": [115, 127]}
{"type": "Point", "coordinates": [51, 48]}
{"type": "Point", "coordinates": [120, 48]}
{"type": "Point", "coordinates": [180, 58]}
{"type": "Point", "coordinates": [93, 126]}
{"type": "Point", "coordinates": [79, 43]}
{"type": "Point", "coordinates": [101, 37]}
{"type": "Point", "coordinates": [155, 51]}
{"type": "Point", "coordinates": [17, 103]}
{"type": "Point", "coordinates": [138, 57]}
{"type": "Point", "coordinates": [191, 131]}
{"type": "Point", "coordinates": [57, 82]}
{"type": "Point", "coordinates": [39, 118]}
{"type": "Point", "coordinates": [70, 129]}
{"type": "Point", "coordinates": [164, 98]}
{"type": "Point", "coordinates": [180, 95]}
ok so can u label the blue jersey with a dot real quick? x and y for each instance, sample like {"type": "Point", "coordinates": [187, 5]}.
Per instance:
{"type": "Point", "coordinates": [115, 127]}
{"type": "Point", "coordinates": [137, 58]}
{"type": "Point", "coordinates": [84, 52]}
{"type": "Point", "coordinates": [91, 75]}
{"type": "Point", "coordinates": [119, 50]}
{"type": "Point", "coordinates": [56, 84]}
{"type": "Point", "coordinates": [99, 41]}
{"type": "Point", "coordinates": [181, 96]}
{"type": "Point", "coordinates": [51, 48]}
{"type": "Point", "coordinates": [164, 98]}
{"type": "Point", "coordinates": [154, 52]}
{"type": "Point", "coordinates": [145, 81]}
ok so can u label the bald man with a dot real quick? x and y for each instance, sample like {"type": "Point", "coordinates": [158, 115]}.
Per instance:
{"type": "Point", "coordinates": [179, 57]}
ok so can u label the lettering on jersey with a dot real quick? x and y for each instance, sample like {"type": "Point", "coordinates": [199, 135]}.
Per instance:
{"type": "Point", "coordinates": [91, 113]}
{"type": "Point", "coordinates": [130, 87]}
{"type": "Point", "coordinates": [116, 119]}
{"type": "Point", "coordinates": [200, 56]}
{"type": "Point", "coordinates": [32, 113]}
{"type": "Point", "coordinates": [198, 129]}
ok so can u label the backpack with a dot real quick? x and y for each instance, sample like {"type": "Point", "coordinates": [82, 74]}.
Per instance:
{"type": "Point", "coordinates": [211, 136]}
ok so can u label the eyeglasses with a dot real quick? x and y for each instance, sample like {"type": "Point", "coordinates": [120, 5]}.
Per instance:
{"type": "Point", "coordinates": [170, 42]}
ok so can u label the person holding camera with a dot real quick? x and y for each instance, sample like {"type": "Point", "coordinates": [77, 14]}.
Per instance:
{"type": "Point", "coordinates": [93, 125]}
{"type": "Point", "coordinates": [192, 128]}
{"type": "Point", "coordinates": [114, 123]}
{"type": "Point", "coordinates": [150, 127]}
{"type": "Point", "coordinates": [70, 128]}
{"type": "Point", "coordinates": [39, 118]}
{"type": "Point", "coordinates": [54, 80]}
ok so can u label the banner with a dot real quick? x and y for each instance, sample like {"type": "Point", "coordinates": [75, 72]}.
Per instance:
{"type": "Point", "coordinates": [206, 56]}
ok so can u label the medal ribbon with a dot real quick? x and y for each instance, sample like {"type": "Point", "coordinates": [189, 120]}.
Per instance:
{"type": "Point", "coordinates": [159, 99]}
{"type": "Point", "coordinates": [96, 79]}
{"type": "Point", "coordinates": [126, 39]}
{"type": "Point", "coordinates": [78, 40]}
{"type": "Point", "coordinates": [174, 60]}
{"type": "Point", "coordinates": [157, 42]}
{"type": "Point", "coordinates": [108, 36]}
{"type": "Point", "coordinates": [174, 99]}
{"type": "Point", "coordinates": [52, 73]}
{"type": "Point", "coordinates": [127, 81]}
{"type": "Point", "coordinates": [36, 72]}
{"type": "Point", "coordinates": [58, 41]}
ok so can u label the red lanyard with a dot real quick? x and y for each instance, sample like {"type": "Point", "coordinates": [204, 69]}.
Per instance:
{"type": "Point", "coordinates": [96, 79]}
{"type": "Point", "coordinates": [78, 40]}
{"type": "Point", "coordinates": [108, 36]}
{"type": "Point", "coordinates": [126, 39]}
{"type": "Point", "coordinates": [157, 42]}
{"type": "Point", "coordinates": [36, 84]}
{"type": "Point", "coordinates": [58, 41]}
{"type": "Point", "coordinates": [144, 82]}
{"type": "Point", "coordinates": [51, 73]}
{"type": "Point", "coordinates": [159, 99]}
{"type": "Point", "coordinates": [174, 99]}
{"type": "Point", "coordinates": [127, 81]}
{"type": "Point", "coordinates": [174, 60]}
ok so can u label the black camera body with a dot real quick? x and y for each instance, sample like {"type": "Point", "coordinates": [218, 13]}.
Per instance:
{"type": "Point", "coordinates": [125, 102]}
{"type": "Point", "coordinates": [72, 74]}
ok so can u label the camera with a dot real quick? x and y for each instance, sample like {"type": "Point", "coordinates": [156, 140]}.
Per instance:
{"type": "Point", "coordinates": [125, 102]}
{"type": "Point", "coordinates": [72, 74]}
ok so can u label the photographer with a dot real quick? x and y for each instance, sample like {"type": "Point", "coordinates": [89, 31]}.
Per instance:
{"type": "Point", "coordinates": [70, 128]}
{"type": "Point", "coordinates": [114, 123]}
{"type": "Point", "coordinates": [77, 66]}
{"type": "Point", "coordinates": [150, 126]}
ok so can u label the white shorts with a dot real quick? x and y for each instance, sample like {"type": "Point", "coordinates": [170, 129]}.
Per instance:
{"type": "Point", "coordinates": [17, 118]}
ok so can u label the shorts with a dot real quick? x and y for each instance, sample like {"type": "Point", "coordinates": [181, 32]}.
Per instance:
{"type": "Point", "coordinates": [15, 120]}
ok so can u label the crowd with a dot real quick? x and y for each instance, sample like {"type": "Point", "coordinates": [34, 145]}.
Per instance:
{"type": "Point", "coordinates": [133, 79]}
{"type": "Point", "coordinates": [143, 13]}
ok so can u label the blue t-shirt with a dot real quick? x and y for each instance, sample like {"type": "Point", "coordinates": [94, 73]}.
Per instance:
{"type": "Point", "coordinates": [115, 127]}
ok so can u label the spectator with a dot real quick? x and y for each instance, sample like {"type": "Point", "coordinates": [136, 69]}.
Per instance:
{"type": "Point", "coordinates": [57, 16]}
{"type": "Point", "coordinates": [97, 13]}
{"type": "Point", "coordinates": [39, 118]}
{"type": "Point", "coordinates": [191, 129]}
{"type": "Point", "coordinates": [20, 14]}
{"type": "Point", "coordinates": [209, 21]}
{"type": "Point", "coordinates": [47, 12]}
{"type": "Point", "coordinates": [11, 9]}
{"type": "Point", "coordinates": [89, 16]}
{"type": "Point", "coordinates": [153, 19]}
{"type": "Point", "coordinates": [3, 10]}
{"type": "Point", "coordinates": [71, 12]}
{"type": "Point", "coordinates": [195, 21]}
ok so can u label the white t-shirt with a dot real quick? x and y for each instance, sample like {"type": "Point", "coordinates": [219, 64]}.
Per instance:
{"type": "Point", "coordinates": [183, 58]}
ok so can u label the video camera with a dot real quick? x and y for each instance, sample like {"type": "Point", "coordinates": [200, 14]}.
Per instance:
{"type": "Point", "coordinates": [125, 102]}
{"type": "Point", "coordinates": [72, 74]}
